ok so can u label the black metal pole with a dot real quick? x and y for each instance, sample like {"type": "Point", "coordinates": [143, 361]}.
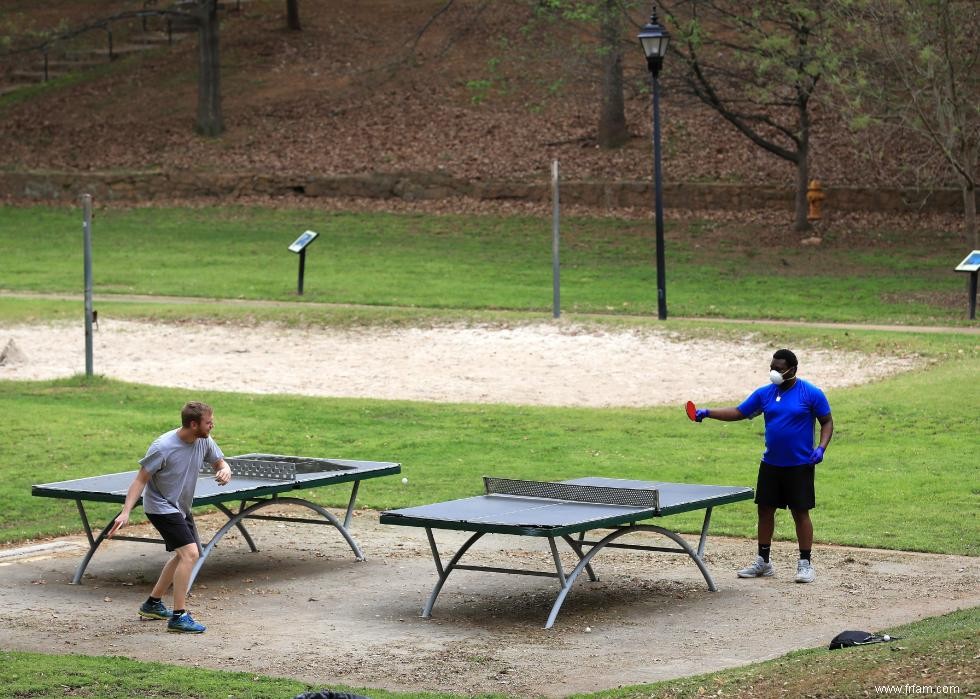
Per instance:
{"type": "Point", "coordinates": [302, 270]}
{"type": "Point", "coordinates": [87, 245]}
{"type": "Point", "coordinates": [555, 242]}
{"type": "Point", "coordinates": [973, 295]}
{"type": "Point", "coordinates": [658, 201]}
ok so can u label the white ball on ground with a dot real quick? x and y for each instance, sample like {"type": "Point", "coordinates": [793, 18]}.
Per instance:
{"type": "Point", "coordinates": [588, 629]}
{"type": "Point", "coordinates": [404, 481]}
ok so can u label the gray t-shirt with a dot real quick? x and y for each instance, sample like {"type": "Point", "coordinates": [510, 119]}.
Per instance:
{"type": "Point", "coordinates": [174, 466]}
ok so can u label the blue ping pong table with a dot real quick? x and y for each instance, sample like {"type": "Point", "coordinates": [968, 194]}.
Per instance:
{"type": "Point", "coordinates": [258, 481]}
{"type": "Point", "coordinates": [560, 510]}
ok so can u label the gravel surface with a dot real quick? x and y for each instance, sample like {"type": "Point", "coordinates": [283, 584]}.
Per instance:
{"type": "Point", "coordinates": [302, 607]}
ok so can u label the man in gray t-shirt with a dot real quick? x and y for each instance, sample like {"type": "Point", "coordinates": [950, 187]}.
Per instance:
{"type": "Point", "coordinates": [166, 481]}
{"type": "Point", "coordinates": [174, 465]}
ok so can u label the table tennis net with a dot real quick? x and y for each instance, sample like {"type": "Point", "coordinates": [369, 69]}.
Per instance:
{"type": "Point", "coordinates": [627, 497]}
{"type": "Point", "coordinates": [258, 468]}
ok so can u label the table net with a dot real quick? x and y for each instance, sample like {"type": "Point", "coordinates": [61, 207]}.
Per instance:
{"type": "Point", "coordinates": [258, 468]}
{"type": "Point", "coordinates": [627, 497]}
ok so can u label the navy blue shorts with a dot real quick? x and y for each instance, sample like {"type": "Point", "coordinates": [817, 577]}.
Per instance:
{"type": "Point", "coordinates": [175, 529]}
{"type": "Point", "coordinates": [786, 486]}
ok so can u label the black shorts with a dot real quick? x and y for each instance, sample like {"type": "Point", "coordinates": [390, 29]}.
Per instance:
{"type": "Point", "coordinates": [175, 529]}
{"type": "Point", "coordinates": [785, 486]}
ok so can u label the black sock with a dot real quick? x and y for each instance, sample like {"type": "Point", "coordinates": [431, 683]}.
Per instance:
{"type": "Point", "coordinates": [805, 554]}
{"type": "Point", "coordinates": [152, 600]}
{"type": "Point", "coordinates": [178, 612]}
{"type": "Point", "coordinates": [764, 551]}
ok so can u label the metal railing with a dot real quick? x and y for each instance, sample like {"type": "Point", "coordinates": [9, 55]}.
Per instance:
{"type": "Point", "coordinates": [51, 45]}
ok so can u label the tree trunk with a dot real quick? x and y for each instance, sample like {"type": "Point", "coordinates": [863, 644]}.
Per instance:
{"type": "Point", "coordinates": [801, 224]}
{"type": "Point", "coordinates": [209, 119]}
{"type": "Point", "coordinates": [970, 213]}
{"type": "Point", "coordinates": [800, 204]}
{"type": "Point", "coordinates": [292, 16]}
{"type": "Point", "coordinates": [612, 115]}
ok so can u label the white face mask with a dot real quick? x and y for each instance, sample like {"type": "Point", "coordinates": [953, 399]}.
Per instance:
{"type": "Point", "coordinates": [777, 378]}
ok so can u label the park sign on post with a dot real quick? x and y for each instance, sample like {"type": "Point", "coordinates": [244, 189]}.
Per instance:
{"type": "Point", "coordinates": [299, 246]}
{"type": "Point", "coordinates": [971, 264]}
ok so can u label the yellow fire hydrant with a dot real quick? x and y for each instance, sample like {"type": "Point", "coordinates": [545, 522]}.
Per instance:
{"type": "Point", "coordinates": [814, 197]}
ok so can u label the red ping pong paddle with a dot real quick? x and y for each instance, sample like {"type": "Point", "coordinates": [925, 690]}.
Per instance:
{"type": "Point", "coordinates": [116, 526]}
{"type": "Point", "coordinates": [692, 411]}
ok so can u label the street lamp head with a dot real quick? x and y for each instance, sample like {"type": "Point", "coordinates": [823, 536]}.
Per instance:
{"type": "Point", "coordinates": [654, 39]}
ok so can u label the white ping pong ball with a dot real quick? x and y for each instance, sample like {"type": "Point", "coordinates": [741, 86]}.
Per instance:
{"type": "Point", "coordinates": [588, 629]}
{"type": "Point", "coordinates": [886, 637]}
{"type": "Point", "coordinates": [404, 481]}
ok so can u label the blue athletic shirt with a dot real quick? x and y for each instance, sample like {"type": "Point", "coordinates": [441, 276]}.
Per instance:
{"type": "Point", "coordinates": [789, 420]}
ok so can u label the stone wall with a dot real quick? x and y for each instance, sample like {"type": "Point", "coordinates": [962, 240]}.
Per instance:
{"type": "Point", "coordinates": [411, 186]}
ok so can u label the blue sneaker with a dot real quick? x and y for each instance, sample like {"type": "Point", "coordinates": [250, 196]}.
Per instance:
{"type": "Point", "coordinates": [184, 624]}
{"type": "Point", "coordinates": [155, 610]}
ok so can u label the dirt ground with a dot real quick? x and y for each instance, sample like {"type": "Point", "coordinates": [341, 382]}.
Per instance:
{"type": "Point", "coordinates": [302, 607]}
{"type": "Point", "coordinates": [560, 364]}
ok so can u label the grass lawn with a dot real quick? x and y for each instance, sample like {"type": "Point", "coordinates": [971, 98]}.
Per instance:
{"type": "Point", "coordinates": [488, 262]}
{"type": "Point", "coordinates": [897, 475]}
{"type": "Point", "coordinates": [898, 442]}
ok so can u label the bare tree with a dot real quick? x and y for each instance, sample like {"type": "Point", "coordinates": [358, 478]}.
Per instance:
{"type": "Point", "coordinates": [757, 64]}
{"type": "Point", "coordinates": [601, 26]}
{"type": "Point", "coordinates": [912, 65]}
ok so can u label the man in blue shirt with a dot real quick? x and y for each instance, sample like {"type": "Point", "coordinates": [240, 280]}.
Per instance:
{"type": "Point", "coordinates": [790, 406]}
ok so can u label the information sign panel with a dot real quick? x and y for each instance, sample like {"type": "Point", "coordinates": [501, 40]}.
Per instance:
{"type": "Point", "coordinates": [971, 263]}
{"type": "Point", "coordinates": [304, 240]}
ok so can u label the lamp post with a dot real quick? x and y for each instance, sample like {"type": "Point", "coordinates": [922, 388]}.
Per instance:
{"type": "Point", "coordinates": [654, 40]}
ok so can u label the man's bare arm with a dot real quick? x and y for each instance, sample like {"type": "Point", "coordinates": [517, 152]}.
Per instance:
{"type": "Point", "coordinates": [132, 495]}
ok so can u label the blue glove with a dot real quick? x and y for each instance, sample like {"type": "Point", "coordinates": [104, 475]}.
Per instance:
{"type": "Point", "coordinates": [700, 414]}
{"type": "Point", "coordinates": [816, 456]}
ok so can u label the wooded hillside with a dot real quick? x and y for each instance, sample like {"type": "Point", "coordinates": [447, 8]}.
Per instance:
{"type": "Point", "coordinates": [475, 89]}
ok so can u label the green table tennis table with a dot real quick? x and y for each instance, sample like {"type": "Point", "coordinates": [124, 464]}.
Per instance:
{"type": "Point", "coordinates": [559, 511]}
{"type": "Point", "coordinates": [258, 481]}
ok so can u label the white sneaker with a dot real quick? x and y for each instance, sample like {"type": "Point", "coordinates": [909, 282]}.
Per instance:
{"type": "Point", "coordinates": [759, 569]}
{"type": "Point", "coordinates": [805, 572]}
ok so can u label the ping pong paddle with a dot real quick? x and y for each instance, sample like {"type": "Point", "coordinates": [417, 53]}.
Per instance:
{"type": "Point", "coordinates": [692, 410]}
{"type": "Point", "coordinates": [116, 526]}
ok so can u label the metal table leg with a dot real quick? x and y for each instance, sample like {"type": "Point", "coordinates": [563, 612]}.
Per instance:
{"type": "Point", "coordinates": [93, 542]}
{"type": "Point", "coordinates": [241, 527]}
{"type": "Point", "coordinates": [249, 512]}
{"type": "Point", "coordinates": [96, 541]}
{"type": "Point", "coordinates": [444, 572]}
{"type": "Point", "coordinates": [704, 532]}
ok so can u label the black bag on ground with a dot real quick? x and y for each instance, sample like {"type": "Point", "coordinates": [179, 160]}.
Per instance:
{"type": "Point", "coordinates": [846, 639]}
